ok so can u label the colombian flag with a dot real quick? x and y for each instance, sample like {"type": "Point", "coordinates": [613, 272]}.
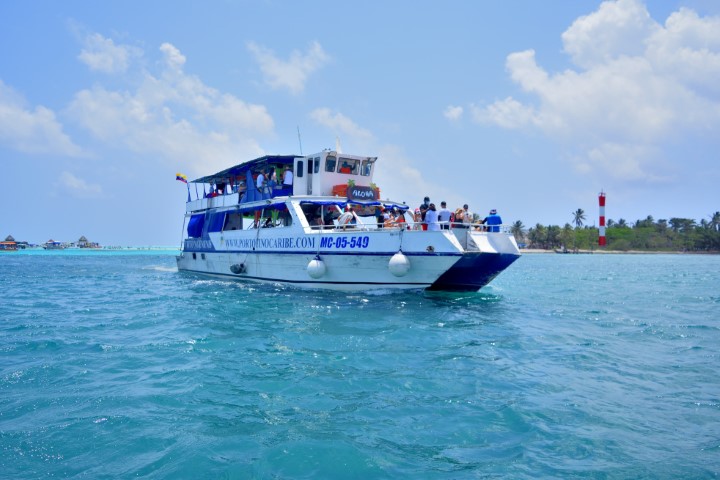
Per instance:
{"type": "Point", "coordinates": [181, 177]}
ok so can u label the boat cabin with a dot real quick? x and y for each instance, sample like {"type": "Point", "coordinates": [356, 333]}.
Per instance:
{"type": "Point", "coordinates": [327, 173]}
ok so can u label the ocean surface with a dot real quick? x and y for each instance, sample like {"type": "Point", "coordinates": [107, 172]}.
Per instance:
{"type": "Point", "coordinates": [114, 365]}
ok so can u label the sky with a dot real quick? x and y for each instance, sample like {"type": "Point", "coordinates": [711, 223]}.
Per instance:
{"type": "Point", "coordinates": [528, 107]}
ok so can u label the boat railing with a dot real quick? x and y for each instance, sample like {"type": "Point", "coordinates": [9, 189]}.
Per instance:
{"type": "Point", "coordinates": [456, 228]}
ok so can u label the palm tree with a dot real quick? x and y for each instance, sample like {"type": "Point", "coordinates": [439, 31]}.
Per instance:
{"type": "Point", "coordinates": [518, 230]}
{"type": "Point", "coordinates": [578, 217]}
{"type": "Point", "coordinates": [715, 221]}
{"type": "Point", "coordinates": [622, 223]}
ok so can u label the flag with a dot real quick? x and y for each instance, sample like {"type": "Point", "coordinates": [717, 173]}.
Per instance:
{"type": "Point", "coordinates": [181, 177]}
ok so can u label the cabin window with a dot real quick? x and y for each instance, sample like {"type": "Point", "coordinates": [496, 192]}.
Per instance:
{"type": "Point", "coordinates": [233, 221]}
{"type": "Point", "coordinates": [202, 255]}
{"type": "Point", "coordinates": [194, 256]}
{"type": "Point", "coordinates": [310, 166]}
{"type": "Point", "coordinates": [317, 164]}
{"type": "Point", "coordinates": [330, 163]}
{"type": "Point", "coordinates": [215, 222]}
{"type": "Point", "coordinates": [348, 166]}
{"type": "Point", "coordinates": [300, 168]}
{"type": "Point", "coordinates": [366, 168]}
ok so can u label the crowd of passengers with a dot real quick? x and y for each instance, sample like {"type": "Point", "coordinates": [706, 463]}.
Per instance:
{"type": "Point", "coordinates": [426, 217]}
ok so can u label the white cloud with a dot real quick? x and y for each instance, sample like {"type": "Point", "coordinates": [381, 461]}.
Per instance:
{"type": "Point", "coordinates": [102, 55]}
{"type": "Point", "coordinates": [339, 123]}
{"type": "Point", "coordinates": [174, 116]}
{"type": "Point", "coordinates": [453, 113]}
{"type": "Point", "coordinates": [173, 58]}
{"type": "Point", "coordinates": [32, 131]}
{"type": "Point", "coordinates": [638, 85]}
{"type": "Point", "coordinates": [78, 187]}
{"type": "Point", "coordinates": [293, 73]}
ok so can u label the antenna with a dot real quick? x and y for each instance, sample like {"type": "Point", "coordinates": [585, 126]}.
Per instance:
{"type": "Point", "coordinates": [299, 141]}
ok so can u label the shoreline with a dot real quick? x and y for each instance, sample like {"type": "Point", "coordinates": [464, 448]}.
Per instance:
{"type": "Point", "coordinates": [540, 251]}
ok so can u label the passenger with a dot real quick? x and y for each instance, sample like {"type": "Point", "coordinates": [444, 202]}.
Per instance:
{"type": "Point", "coordinates": [389, 219]}
{"type": "Point", "coordinates": [467, 217]}
{"type": "Point", "coordinates": [399, 218]}
{"type": "Point", "coordinates": [379, 216]}
{"type": "Point", "coordinates": [417, 220]}
{"type": "Point", "coordinates": [458, 218]}
{"type": "Point", "coordinates": [444, 216]}
{"type": "Point", "coordinates": [431, 219]}
{"type": "Point", "coordinates": [347, 219]}
{"type": "Point", "coordinates": [287, 179]}
{"type": "Point", "coordinates": [493, 221]}
{"type": "Point", "coordinates": [424, 208]}
{"type": "Point", "coordinates": [272, 176]}
{"type": "Point", "coordinates": [260, 182]}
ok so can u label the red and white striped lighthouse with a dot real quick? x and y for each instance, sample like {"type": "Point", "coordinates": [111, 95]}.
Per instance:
{"type": "Point", "coordinates": [601, 200]}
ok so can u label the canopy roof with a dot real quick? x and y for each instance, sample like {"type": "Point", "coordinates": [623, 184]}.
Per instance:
{"type": "Point", "coordinates": [239, 170]}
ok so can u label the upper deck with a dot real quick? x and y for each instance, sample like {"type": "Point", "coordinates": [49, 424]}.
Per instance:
{"type": "Point", "coordinates": [328, 173]}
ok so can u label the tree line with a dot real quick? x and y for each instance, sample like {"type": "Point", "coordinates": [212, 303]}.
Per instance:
{"type": "Point", "coordinates": [671, 235]}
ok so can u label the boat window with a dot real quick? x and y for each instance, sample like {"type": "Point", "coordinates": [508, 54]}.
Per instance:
{"type": "Point", "coordinates": [366, 168]}
{"type": "Point", "coordinates": [317, 164]}
{"type": "Point", "coordinates": [310, 166]}
{"type": "Point", "coordinates": [330, 163]}
{"type": "Point", "coordinates": [300, 168]}
{"type": "Point", "coordinates": [348, 166]}
{"type": "Point", "coordinates": [233, 221]}
{"type": "Point", "coordinates": [215, 222]}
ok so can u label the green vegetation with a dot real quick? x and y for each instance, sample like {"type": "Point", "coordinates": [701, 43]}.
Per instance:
{"type": "Point", "coordinates": [673, 235]}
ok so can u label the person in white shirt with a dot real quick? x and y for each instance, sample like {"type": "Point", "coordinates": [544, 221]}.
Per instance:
{"type": "Point", "coordinates": [431, 219]}
{"type": "Point", "coordinates": [287, 178]}
{"type": "Point", "coordinates": [467, 217]}
{"type": "Point", "coordinates": [444, 216]}
{"type": "Point", "coordinates": [260, 182]}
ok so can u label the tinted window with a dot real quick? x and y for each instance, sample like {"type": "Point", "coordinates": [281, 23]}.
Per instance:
{"type": "Point", "coordinates": [300, 168]}
{"type": "Point", "coordinates": [330, 163]}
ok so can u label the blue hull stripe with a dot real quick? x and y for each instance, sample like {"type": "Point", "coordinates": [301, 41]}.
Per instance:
{"type": "Point", "coordinates": [329, 252]}
{"type": "Point", "coordinates": [473, 271]}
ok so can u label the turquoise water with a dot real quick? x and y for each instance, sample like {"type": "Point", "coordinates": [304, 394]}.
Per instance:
{"type": "Point", "coordinates": [567, 366]}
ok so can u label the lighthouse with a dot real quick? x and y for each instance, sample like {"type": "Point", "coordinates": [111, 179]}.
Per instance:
{"type": "Point", "coordinates": [601, 201]}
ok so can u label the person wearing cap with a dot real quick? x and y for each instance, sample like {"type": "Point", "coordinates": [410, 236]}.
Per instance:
{"type": "Point", "coordinates": [423, 209]}
{"type": "Point", "coordinates": [444, 216]}
{"type": "Point", "coordinates": [493, 220]}
{"type": "Point", "coordinates": [467, 217]}
{"type": "Point", "coordinates": [417, 220]}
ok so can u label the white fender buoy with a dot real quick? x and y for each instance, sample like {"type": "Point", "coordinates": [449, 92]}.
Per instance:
{"type": "Point", "coordinates": [316, 268]}
{"type": "Point", "coordinates": [399, 264]}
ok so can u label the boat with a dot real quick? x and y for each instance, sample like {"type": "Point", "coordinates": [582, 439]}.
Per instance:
{"type": "Point", "coordinates": [53, 245]}
{"type": "Point", "coordinates": [321, 232]}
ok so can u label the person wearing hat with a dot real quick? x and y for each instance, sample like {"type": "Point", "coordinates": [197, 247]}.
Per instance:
{"type": "Point", "coordinates": [417, 220]}
{"type": "Point", "coordinates": [467, 217]}
{"type": "Point", "coordinates": [493, 220]}
{"type": "Point", "coordinates": [423, 210]}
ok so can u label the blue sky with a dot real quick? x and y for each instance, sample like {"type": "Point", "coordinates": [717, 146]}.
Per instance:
{"type": "Point", "coordinates": [528, 107]}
